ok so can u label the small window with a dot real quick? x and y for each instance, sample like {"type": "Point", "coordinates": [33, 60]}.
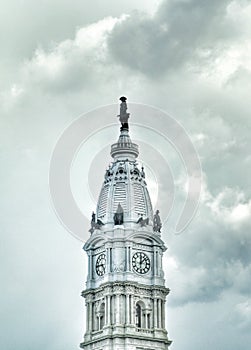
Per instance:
{"type": "Point", "coordinates": [148, 321]}
{"type": "Point", "coordinates": [138, 316]}
{"type": "Point", "coordinates": [101, 316]}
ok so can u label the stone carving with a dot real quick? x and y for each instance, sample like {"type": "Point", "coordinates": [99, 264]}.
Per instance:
{"type": "Point", "coordinates": [88, 297]}
{"type": "Point", "coordinates": [119, 266]}
{"type": "Point", "coordinates": [98, 295]}
{"type": "Point", "coordinates": [95, 225]}
{"type": "Point", "coordinates": [108, 174]}
{"type": "Point", "coordinates": [123, 116]}
{"type": "Point", "coordinates": [156, 222]}
{"type": "Point", "coordinates": [98, 250]}
{"type": "Point", "coordinates": [130, 289]}
{"type": "Point", "coordinates": [143, 222]}
{"type": "Point", "coordinates": [118, 289]}
{"type": "Point", "coordinates": [142, 247]}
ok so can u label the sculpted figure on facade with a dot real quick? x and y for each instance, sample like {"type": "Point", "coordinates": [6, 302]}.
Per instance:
{"type": "Point", "coordinates": [119, 215]}
{"type": "Point", "coordinates": [157, 222]}
{"type": "Point", "coordinates": [95, 225]}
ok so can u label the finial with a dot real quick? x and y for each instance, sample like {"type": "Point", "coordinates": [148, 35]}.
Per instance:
{"type": "Point", "coordinates": [123, 116]}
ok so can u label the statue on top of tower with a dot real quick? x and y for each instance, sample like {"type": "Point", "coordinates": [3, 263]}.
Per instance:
{"type": "Point", "coordinates": [123, 116]}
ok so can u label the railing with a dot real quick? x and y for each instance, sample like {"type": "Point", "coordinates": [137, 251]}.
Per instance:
{"type": "Point", "coordinates": [130, 145]}
{"type": "Point", "coordinates": [144, 330]}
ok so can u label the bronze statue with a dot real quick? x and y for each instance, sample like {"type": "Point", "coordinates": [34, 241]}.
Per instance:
{"type": "Point", "coordinates": [123, 116]}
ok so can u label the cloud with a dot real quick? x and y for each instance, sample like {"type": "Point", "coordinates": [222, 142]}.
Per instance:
{"type": "Point", "coordinates": [71, 64]}
{"type": "Point", "coordinates": [242, 314]}
{"type": "Point", "coordinates": [181, 33]}
{"type": "Point", "coordinates": [213, 256]}
{"type": "Point", "coordinates": [231, 207]}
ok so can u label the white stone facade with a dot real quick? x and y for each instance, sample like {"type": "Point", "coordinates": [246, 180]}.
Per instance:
{"type": "Point", "coordinates": [125, 291]}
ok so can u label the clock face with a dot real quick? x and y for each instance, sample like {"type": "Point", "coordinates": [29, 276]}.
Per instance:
{"type": "Point", "coordinates": [141, 262]}
{"type": "Point", "coordinates": [100, 265]}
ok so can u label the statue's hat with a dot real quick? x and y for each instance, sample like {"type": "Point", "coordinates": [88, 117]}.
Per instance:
{"type": "Point", "coordinates": [123, 98]}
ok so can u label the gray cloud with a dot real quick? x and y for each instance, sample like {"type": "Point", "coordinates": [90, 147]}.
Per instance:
{"type": "Point", "coordinates": [180, 33]}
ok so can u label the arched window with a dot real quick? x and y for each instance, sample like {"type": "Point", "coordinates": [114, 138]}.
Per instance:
{"type": "Point", "coordinates": [138, 316]}
{"type": "Point", "coordinates": [100, 317]}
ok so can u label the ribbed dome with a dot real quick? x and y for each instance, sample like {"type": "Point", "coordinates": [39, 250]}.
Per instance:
{"type": "Point", "coordinates": [124, 185]}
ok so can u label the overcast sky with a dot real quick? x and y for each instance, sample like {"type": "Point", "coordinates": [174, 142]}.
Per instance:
{"type": "Point", "coordinates": [190, 58]}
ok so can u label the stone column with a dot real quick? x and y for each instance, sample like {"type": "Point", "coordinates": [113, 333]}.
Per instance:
{"type": "Point", "coordinates": [163, 314]}
{"type": "Point", "coordinates": [87, 317]}
{"type": "Point", "coordinates": [117, 309]}
{"type": "Point", "coordinates": [160, 260]}
{"type": "Point", "coordinates": [157, 263]}
{"type": "Point", "coordinates": [132, 310]}
{"type": "Point", "coordinates": [106, 311]}
{"type": "Point", "coordinates": [90, 316]}
{"type": "Point", "coordinates": [108, 269]}
{"type": "Point", "coordinates": [90, 265]}
{"type": "Point", "coordinates": [127, 309]}
{"type": "Point", "coordinates": [154, 261]}
{"type": "Point", "coordinates": [155, 312]}
{"type": "Point", "coordinates": [109, 310]}
{"type": "Point", "coordinates": [159, 314]}
{"type": "Point", "coordinates": [129, 258]}
{"type": "Point", "coordinates": [126, 258]}
{"type": "Point", "coordinates": [110, 259]}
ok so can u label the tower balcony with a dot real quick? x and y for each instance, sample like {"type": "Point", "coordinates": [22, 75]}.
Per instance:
{"type": "Point", "coordinates": [124, 149]}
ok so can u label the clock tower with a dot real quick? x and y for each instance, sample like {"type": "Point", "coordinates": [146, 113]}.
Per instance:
{"type": "Point", "coordinates": [125, 291]}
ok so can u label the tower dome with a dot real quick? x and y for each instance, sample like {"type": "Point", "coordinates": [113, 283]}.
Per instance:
{"type": "Point", "coordinates": [124, 191]}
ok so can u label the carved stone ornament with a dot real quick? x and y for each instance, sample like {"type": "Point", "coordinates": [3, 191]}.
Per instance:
{"type": "Point", "coordinates": [118, 267]}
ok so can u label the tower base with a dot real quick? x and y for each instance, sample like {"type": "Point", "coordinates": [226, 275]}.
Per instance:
{"type": "Point", "coordinates": [128, 342]}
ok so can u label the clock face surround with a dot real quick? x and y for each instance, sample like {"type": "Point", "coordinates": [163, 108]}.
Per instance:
{"type": "Point", "coordinates": [100, 265]}
{"type": "Point", "coordinates": [141, 262]}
